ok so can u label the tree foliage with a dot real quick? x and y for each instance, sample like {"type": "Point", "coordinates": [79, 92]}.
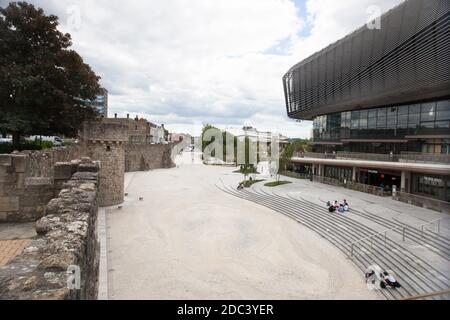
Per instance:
{"type": "Point", "coordinates": [44, 85]}
{"type": "Point", "coordinates": [297, 145]}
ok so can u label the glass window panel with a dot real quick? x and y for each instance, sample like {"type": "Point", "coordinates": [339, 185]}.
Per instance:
{"type": "Point", "coordinates": [348, 115]}
{"type": "Point", "coordinates": [373, 113]}
{"type": "Point", "coordinates": [443, 105]}
{"type": "Point", "coordinates": [355, 123]}
{"type": "Point", "coordinates": [414, 108]}
{"type": "Point", "coordinates": [413, 120]}
{"type": "Point", "coordinates": [428, 112]}
{"type": "Point", "coordinates": [443, 114]}
{"type": "Point", "coordinates": [372, 123]}
{"type": "Point", "coordinates": [363, 123]}
{"type": "Point", "coordinates": [402, 121]}
{"type": "Point", "coordinates": [443, 124]}
{"type": "Point", "coordinates": [363, 114]}
{"type": "Point", "coordinates": [381, 122]}
{"type": "Point", "coordinates": [403, 109]}
{"type": "Point", "coordinates": [392, 112]}
{"type": "Point", "coordinates": [429, 124]}
{"type": "Point", "coordinates": [355, 115]}
{"type": "Point", "coordinates": [391, 122]}
{"type": "Point", "coordinates": [382, 112]}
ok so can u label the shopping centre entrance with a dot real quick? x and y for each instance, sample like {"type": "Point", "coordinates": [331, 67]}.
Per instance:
{"type": "Point", "coordinates": [382, 179]}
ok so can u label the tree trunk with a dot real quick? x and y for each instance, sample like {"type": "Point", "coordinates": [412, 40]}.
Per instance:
{"type": "Point", "coordinates": [16, 138]}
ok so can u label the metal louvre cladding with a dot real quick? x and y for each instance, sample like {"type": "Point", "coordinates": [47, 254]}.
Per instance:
{"type": "Point", "coordinates": [407, 59]}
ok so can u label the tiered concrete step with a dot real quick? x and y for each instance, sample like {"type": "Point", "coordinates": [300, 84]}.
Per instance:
{"type": "Point", "coordinates": [416, 275]}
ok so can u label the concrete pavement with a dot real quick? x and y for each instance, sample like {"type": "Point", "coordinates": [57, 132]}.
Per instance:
{"type": "Point", "coordinates": [188, 240]}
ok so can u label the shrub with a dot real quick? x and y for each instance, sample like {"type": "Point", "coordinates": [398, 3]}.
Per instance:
{"type": "Point", "coordinates": [276, 183]}
{"type": "Point", "coordinates": [248, 183]}
{"type": "Point", "coordinates": [29, 145]}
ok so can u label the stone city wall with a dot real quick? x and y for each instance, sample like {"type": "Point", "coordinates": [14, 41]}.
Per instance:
{"type": "Point", "coordinates": [142, 157]}
{"type": "Point", "coordinates": [30, 179]}
{"type": "Point", "coordinates": [67, 240]}
{"type": "Point", "coordinates": [105, 142]}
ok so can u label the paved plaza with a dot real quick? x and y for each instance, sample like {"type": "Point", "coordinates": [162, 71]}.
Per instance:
{"type": "Point", "coordinates": [187, 239]}
{"type": "Point", "coordinates": [14, 237]}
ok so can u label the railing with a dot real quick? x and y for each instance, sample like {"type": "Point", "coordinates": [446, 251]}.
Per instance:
{"type": "Point", "coordinates": [296, 175]}
{"type": "Point", "coordinates": [424, 157]}
{"type": "Point", "coordinates": [385, 232]}
{"type": "Point", "coordinates": [367, 188]}
{"type": "Point", "coordinates": [353, 186]}
{"type": "Point", "coordinates": [403, 157]}
{"type": "Point", "coordinates": [424, 202]}
{"type": "Point", "coordinates": [367, 156]}
{"type": "Point", "coordinates": [316, 155]}
{"type": "Point", "coordinates": [326, 180]}
{"type": "Point", "coordinates": [428, 295]}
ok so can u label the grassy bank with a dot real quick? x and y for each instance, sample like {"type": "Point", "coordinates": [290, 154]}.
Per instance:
{"type": "Point", "coordinates": [276, 183]}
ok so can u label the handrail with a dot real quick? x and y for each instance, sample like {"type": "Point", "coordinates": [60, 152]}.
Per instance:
{"type": "Point", "coordinates": [404, 228]}
{"type": "Point", "coordinates": [373, 235]}
{"type": "Point", "coordinates": [428, 295]}
{"type": "Point", "coordinates": [433, 221]}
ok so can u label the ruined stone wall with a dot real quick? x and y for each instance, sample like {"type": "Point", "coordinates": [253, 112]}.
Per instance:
{"type": "Point", "coordinates": [41, 163]}
{"type": "Point", "coordinates": [142, 157]}
{"type": "Point", "coordinates": [29, 180]}
{"type": "Point", "coordinates": [67, 238]}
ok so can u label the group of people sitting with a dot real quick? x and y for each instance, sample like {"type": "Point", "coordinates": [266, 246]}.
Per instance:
{"type": "Point", "coordinates": [339, 207]}
{"type": "Point", "coordinates": [386, 279]}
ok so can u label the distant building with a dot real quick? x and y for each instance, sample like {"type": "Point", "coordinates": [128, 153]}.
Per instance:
{"type": "Point", "coordinates": [178, 137]}
{"type": "Point", "coordinates": [142, 131]}
{"type": "Point", "coordinates": [101, 102]}
{"type": "Point", "coordinates": [257, 136]}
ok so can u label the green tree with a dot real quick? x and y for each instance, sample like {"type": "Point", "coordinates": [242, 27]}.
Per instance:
{"type": "Point", "coordinates": [297, 145]}
{"type": "Point", "coordinates": [44, 85]}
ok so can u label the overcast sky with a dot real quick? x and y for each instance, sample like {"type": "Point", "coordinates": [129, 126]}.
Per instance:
{"type": "Point", "coordinates": [188, 62]}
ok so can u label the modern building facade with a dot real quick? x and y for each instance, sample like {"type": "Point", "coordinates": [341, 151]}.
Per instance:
{"type": "Point", "coordinates": [382, 91]}
{"type": "Point", "coordinates": [101, 103]}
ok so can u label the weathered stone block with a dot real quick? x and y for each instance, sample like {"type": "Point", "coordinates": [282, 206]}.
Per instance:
{"type": "Point", "coordinates": [20, 180]}
{"type": "Point", "coordinates": [20, 163]}
{"type": "Point", "coordinates": [64, 170]}
{"type": "Point", "coordinates": [86, 160]}
{"type": "Point", "coordinates": [6, 174]}
{"type": "Point", "coordinates": [58, 261]}
{"type": "Point", "coordinates": [3, 216]}
{"type": "Point", "coordinates": [85, 176]}
{"type": "Point", "coordinates": [5, 160]}
{"type": "Point", "coordinates": [88, 167]}
{"type": "Point", "coordinates": [38, 181]}
{"type": "Point", "coordinates": [9, 204]}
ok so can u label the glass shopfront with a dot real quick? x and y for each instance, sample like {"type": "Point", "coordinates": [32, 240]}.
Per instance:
{"type": "Point", "coordinates": [338, 173]}
{"type": "Point", "coordinates": [382, 179]}
{"type": "Point", "coordinates": [431, 186]}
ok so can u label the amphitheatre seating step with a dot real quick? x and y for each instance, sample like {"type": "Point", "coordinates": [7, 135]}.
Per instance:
{"type": "Point", "coordinates": [416, 278]}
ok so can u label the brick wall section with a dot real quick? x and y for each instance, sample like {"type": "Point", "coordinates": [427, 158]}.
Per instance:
{"type": "Point", "coordinates": [142, 157]}
{"type": "Point", "coordinates": [67, 236]}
